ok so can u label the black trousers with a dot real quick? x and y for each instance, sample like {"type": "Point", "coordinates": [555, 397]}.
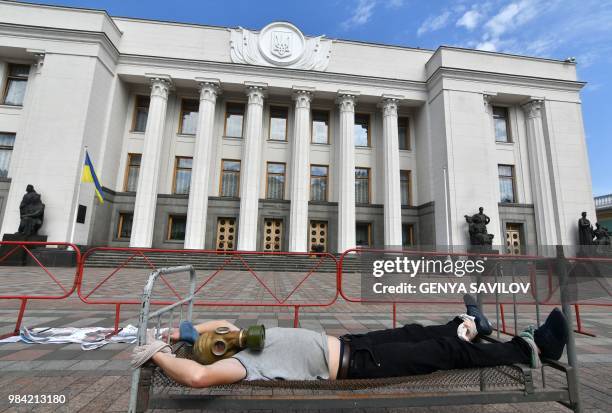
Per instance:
{"type": "Point", "coordinates": [415, 349]}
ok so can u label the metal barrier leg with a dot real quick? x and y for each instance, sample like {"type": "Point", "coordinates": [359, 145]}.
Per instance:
{"type": "Point", "coordinates": [579, 329]}
{"type": "Point", "coordinates": [117, 316]}
{"type": "Point", "coordinates": [17, 328]}
{"type": "Point", "coordinates": [296, 316]}
{"type": "Point", "coordinates": [572, 374]}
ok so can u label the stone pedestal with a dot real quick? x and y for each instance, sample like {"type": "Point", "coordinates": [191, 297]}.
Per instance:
{"type": "Point", "coordinates": [19, 256]}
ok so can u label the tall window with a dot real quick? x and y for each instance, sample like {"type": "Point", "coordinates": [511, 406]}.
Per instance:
{"type": "Point", "coordinates": [362, 129]}
{"type": "Point", "coordinates": [405, 190]}
{"type": "Point", "coordinates": [176, 227]}
{"type": "Point", "coordinates": [320, 126]}
{"type": "Point", "coordinates": [124, 227]}
{"type": "Point", "coordinates": [502, 127]}
{"type": "Point", "coordinates": [189, 116]}
{"type": "Point", "coordinates": [131, 175]}
{"type": "Point", "coordinates": [407, 235]}
{"type": "Point", "coordinates": [7, 141]}
{"type": "Point", "coordinates": [234, 117]}
{"type": "Point", "coordinates": [278, 123]}
{"type": "Point", "coordinates": [403, 133]}
{"type": "Point", "coordinates": [362, 185]}
{"type": "Point", "coordinates": [275, 186]}
{"type": "Point", "coordinates": [318, 182]}
{"type": "Point", "coordinates": [506, 183]}
{"type": "Point", "coordinates": [230, 178]}
{"type": "Point", "coordinates": [363, 234]}
{"type": "Point", "coordinates": [16, 83]}
{"type": "Point", "coordinates": [141, 113]}
{"type": "Point", "coordinates": [182, 174]}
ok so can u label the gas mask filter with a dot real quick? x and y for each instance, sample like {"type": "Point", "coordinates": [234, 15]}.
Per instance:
{"type": "Point", "coordinates": [223, 343]}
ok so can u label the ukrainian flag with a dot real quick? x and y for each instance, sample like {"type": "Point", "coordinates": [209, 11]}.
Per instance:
{"type": "Point", "coordinates": [89, 175]}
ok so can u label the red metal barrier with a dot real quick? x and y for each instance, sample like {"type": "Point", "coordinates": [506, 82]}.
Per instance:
{"type": "Point", "coordinates": [233, 257]}
{"type": "Point", "coordinates": [239, 257]}
{"type": "Point", "coordinates": [579, 328]}
{"type": "Point", "coordinates": [394, 303]}
{"type": "Point", "coordinates": [25, 247]}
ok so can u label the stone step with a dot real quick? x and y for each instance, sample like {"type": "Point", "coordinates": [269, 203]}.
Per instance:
{"type": "Point", "coordinates": [295, 263]}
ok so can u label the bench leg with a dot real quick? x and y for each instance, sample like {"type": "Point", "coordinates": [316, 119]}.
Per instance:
{"type": "Point", "coordinates": [140, 390]}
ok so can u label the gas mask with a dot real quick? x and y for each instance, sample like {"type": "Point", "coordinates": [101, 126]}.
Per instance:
{"type": "Point", "coordinates": [223, 343]}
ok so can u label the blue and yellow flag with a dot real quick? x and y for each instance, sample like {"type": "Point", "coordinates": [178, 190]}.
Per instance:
{"type": "Point", "coordinates": [89, 175]}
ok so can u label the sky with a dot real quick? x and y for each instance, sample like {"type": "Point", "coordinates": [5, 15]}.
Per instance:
{"type": "Point", "coordinates": [546, 28]}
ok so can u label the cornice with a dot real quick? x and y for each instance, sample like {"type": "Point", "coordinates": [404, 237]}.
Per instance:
{"type": "Point", "coordinates": [55, 34]}
{"type": "Point", "coordinates": [503, 78]}
{"type": "Point", "coordinates": [303, 76]}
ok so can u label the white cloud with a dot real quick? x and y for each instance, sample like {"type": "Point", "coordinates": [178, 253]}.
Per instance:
{"type": "Point", "coordinates": [470, 19]}
{"type": "Point", "coordinates": [512, 16]}
{"type": "Point", "coordinates": [489, 46]}
{"type": "Point", "coordinates": [433, 23]}
{"type": "Point", "coordinates": [361, 15]}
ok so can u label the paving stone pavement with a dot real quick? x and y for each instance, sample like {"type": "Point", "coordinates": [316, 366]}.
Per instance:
{"type": "Point", "coordinates": [98, 380]}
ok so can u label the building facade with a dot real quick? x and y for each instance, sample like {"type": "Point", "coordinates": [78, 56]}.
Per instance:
{"type": "Point", "coordinates": [227, 138]}
{"type": "Point", "coordinates": [603, 208]}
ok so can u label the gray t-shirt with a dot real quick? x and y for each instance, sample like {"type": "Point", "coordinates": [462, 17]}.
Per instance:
{"type": "Point", "coordinates": [288, 354]}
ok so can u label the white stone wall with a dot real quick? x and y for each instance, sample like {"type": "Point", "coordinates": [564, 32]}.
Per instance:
{"type": "Point", "coordinates": [84, 94]}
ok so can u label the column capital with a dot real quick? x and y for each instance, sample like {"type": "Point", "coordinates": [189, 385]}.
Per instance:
{"type": "Point", "coordinates": [487, 101]}
{"type": "Point", "coordinates": [302, 96]}
{"type": "Point", "coordinates": [160, 84]}
{"type": "Point", "coordinates": [209, 88]}
{"type": "Point", "coordinates": [389, 104]}
{"type": "Point", "coordinates": [533, 108]}
{"type": "Point", "coordinates": [347, 100]}
{"type": "Point", "coordinates": [256, 92]}
{"type": "Point", "coordinates": [39, 57]}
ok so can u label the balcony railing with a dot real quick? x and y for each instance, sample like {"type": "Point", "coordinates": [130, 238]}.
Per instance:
{"type": "Point", "coordinates": [603, 201]}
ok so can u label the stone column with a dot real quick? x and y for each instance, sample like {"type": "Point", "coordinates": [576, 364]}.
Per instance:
{"type": "Point", "coordinates": [250, 170]}
{"type": "Point", "coordinates": [391, 167]}
{"type": "Point", "coordinates": [200, 172]}
{"type": "Point", "coordinates": [346, 171]}
{"type": "Point", "coordinates": [148, 177]}
{"type": "Point", "coordinates": [300, 172]}
{"type": "Point", "coordinates": [541, 184]}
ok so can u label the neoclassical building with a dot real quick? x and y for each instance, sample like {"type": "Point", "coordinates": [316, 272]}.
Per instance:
{"type": "Point", "coordinates": [228, 138]}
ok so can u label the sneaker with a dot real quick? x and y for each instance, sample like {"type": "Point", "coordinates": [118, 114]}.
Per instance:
{"type": "Point", "coordinates": [527, 336]}
{"type": "Point", "coordinates": [482, 323]}
{"type": "Point", "coordinates": [552, 336]}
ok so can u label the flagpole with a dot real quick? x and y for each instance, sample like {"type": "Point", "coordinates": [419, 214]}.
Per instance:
{"type": "Point", "coordinates": [76, 207]}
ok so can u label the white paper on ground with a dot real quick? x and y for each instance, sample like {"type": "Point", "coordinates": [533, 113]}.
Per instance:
{"type": "Point", "coordinates": [89, 338]}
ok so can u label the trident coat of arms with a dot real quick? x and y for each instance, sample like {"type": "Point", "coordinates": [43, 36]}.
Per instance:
{"type": "Point", "coordinates": [281, 44]}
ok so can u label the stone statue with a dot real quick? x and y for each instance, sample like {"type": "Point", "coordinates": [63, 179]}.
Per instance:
{"type": "Point", "coordinates": [585, 230]}
{"type": "Point", "coordinates": [31, 211]}
{"type": "Point", "coordinates": [602, 235]}
{"type": "Point", "coordinates": [478, 228]}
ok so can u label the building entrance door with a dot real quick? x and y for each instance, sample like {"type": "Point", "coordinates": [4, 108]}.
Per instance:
{"type": "Point", "coordinates": [273, 234]}
{"type": "Point", "coordinates": [226, 234]}
{"type": "Point", "coordinates": [317, 240]}
{"type": "Point", "coordinates": [513, 239]}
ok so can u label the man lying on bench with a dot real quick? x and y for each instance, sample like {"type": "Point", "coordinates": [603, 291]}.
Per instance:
{"type": "Point", "coordinates": [300, 354]}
